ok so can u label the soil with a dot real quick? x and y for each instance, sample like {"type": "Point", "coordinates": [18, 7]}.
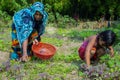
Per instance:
{"type": "Point", "coordinates": [4, 56]}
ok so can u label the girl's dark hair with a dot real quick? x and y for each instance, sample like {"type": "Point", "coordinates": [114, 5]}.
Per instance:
{"type": "Point", "coordinates": [108, 37]}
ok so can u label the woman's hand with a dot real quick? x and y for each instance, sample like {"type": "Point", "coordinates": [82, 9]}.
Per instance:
{"type": "Point", "coordinates": [35, 41]}
{"type": "Point", "coordinates": [24, 58]}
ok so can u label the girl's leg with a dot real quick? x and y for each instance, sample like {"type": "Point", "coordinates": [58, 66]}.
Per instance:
{"type": "Point", "coordinates": [81, 53]}
{"type": "Point", "coordinates": [99, 52]}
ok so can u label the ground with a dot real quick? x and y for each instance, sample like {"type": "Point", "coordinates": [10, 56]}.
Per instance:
{"type": "Point", "coordinates": [69, 45]}
{"type": "Point", "coordinates": [4, 56]}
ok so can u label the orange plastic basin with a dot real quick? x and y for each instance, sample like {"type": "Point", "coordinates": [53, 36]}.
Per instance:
{"type": "Point", "coordinates": [43, 50]}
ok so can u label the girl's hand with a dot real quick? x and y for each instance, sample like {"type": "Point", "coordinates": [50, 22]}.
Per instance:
{"type": "Point", "coordinates": [111, 51]}
{"type": "Point", "coordinates": [111, 54]}
{"type": "Point", "coordinates": [24, 58]}
{"type": "Point", "coordinates": [35, 42]}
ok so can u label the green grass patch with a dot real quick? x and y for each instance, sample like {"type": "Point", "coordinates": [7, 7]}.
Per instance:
{"type": "Point", "coordinates": [54, 41]}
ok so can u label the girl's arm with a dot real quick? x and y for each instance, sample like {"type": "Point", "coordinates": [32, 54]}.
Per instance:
{"type": "Point", "coordinates": [88, 49]}
{"type": "Point", "coordinates": [111, 51]}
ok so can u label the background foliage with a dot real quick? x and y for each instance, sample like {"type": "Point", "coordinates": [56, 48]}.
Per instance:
{"type": "Point", "coordinates": [78, 9]}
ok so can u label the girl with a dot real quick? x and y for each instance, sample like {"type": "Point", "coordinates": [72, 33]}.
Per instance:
{"type": "Point", "coordinates": [95, 46]}
{"type": "Point", "coordinates": [28, 25]}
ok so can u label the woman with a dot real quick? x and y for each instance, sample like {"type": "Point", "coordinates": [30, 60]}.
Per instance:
{"type": "Point", "coordinates": [28, 25]}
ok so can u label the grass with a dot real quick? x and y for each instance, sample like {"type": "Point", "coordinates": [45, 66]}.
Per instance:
{"type": "Point", "coordinates": [60, 66]}
{"type": "Point", "coordinates": [5, 39]}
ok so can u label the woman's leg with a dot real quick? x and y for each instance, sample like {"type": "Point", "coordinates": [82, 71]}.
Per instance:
{"type": "Point", "coordinates": [33, 35]}
{"type": "Point", "coordinates": [15, 49]}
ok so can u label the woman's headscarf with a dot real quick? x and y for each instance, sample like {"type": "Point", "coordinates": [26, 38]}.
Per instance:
{"type": "Point", "coordinates": [24, 21]}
